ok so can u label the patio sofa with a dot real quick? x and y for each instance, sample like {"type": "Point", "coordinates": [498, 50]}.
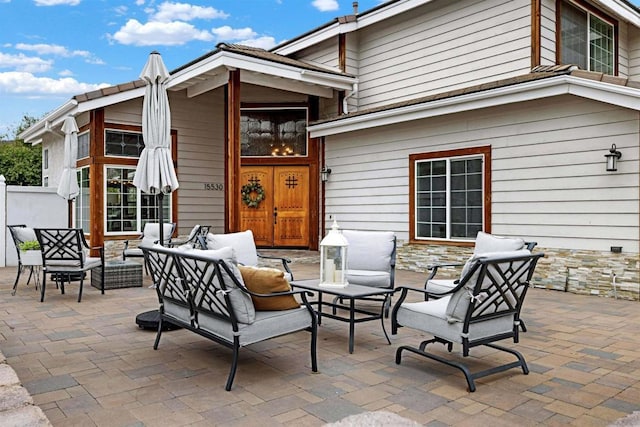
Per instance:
{"type": "Point", "coordinates": [206, 292]}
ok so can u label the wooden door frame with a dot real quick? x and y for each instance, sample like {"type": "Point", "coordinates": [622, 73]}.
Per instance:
{"type": "Point", "coordinates": [235, 162]}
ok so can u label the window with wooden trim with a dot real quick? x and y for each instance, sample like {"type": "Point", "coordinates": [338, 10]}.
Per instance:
{"type": "Point", "coordinates": [450, 192]}
{"type": "Point", "coordinates": [123, 143]}
{"type": "Point", "coordinates": [273, 132]}
{"type": "Point", "coordinates": [83, 145]}
{"type": "Point", "coordinates": [586, 38]}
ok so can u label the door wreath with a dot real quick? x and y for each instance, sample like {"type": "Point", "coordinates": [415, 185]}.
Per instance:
{"type": "Point", "coordinates": [248, 191]}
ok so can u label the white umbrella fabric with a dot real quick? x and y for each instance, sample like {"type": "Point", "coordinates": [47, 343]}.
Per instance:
{"type": "Point", "coordinates": [155, 173]}
{"type": "Point", "coordinates": [68, 186]}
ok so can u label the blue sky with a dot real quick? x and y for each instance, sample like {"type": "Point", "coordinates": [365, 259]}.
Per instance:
{"type": "Point", "coordinates": [51, 50]}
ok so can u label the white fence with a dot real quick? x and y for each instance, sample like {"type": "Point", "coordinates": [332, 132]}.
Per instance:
{"type": "Point", "coordinates": [33, 206]}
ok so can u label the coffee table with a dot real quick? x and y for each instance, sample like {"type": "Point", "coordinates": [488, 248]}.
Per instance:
{"type": "Point", "coordinates": [350, 293]}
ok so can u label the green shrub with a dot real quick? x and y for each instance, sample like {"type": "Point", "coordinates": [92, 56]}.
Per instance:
{"type": "Point", "coordinates": [29, 245]}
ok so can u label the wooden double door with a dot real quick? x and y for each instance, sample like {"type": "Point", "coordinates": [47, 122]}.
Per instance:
{"type": "Point", "coordinates": [281, 218]}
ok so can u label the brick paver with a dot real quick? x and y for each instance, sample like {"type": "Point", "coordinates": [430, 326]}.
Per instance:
{"type": "Point", "coordinates": [88, 364]}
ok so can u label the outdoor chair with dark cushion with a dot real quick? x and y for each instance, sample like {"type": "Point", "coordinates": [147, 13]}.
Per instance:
{"type": "Point", "coordinates": [150, 235]}
{"type": "Point", "coordinates": [245, 250]}
{"type": "Point", "coordinates": [484, 307]}
{"type": "Point", "coordinates": [20, 233]}
{"type": "Point", "coordinates": [65, 255]}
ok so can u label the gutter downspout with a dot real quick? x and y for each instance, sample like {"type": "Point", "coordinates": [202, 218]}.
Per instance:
{"type": "Point", "coordinates": [346, 98]}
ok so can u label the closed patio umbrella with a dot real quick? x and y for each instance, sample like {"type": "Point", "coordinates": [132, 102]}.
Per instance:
{"type": "Point", "coordinates": [155, 173]}
{"type": "Point", "coordinates": [68, 186]}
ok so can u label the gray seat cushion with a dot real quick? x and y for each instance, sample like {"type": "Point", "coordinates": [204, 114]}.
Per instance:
{"type": "Point", "coordinates": [267, 324]}
{"type": "Point", "coordinates": [431, 317]}
{"type": "Point", "coordinates": [377, 279]}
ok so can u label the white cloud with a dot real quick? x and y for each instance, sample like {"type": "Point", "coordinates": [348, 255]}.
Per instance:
{"type": "Point", "coordinates": [56, 2]}
{"type": "Point", "coordinates": [264, 42]}
{"type": "Point", "coordinates": [227, 33]}
{"type": "Point", "coordinates": [325, 5]}
{"type": "Point", "coordinates": [52, 49]}
{"type": "Point", "coordinates": [15, 82]}
{"type": "Point", "coordinates": [168, 12]}
{"type": "Point", "coordinates": [66, 73]}
{"type": "Point", "coordinates": [159, 33]}
{"type": "Point", "coordinates": [21, 62]}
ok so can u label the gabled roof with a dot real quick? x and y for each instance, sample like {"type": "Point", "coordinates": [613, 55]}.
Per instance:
{"type": "Point", "coordinates": [206, 73]}
{"type": "Point", "coordinates": [623, 9]}
{"type": "Point", "coordinates": [541, 82]}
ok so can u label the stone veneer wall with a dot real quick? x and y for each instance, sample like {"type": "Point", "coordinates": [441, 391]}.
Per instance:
{"type": "Point", "coordinates": [113, 248]}
{"type": "Point", "coordinates": [576, 271]}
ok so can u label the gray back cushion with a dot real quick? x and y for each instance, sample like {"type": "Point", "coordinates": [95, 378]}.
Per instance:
{"type": "Point", "coordinates": [242, 243]}
{"type": "Point", "coordinates": [369, 250]}
{"type": "Point", "coordinates": [25, 234]}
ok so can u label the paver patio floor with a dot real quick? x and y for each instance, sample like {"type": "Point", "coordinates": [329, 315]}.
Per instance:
{"type": "Point", "coordinates": [89, 364]}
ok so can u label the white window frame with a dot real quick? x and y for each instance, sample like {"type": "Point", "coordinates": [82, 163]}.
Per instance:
{"type": "Point", "coordinates": [448, 215]}
{"type": "Point", "coordinates": [79, 202]}
{"type": "Point", "coordinates": [139, 194]}
{"type": "Point", "coordinates": [45, 159]}
{"type": "Point", "coordinates": [606, 20]}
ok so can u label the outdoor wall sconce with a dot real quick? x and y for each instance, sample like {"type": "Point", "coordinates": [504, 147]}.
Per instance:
{"type": "Point", "coordinates": [612, 158]}
{"type": "Point", "coordinates": [324, 174]}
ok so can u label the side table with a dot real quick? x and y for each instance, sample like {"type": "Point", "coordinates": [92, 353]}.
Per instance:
{"type": "Point", "coordinates": [118, 274]}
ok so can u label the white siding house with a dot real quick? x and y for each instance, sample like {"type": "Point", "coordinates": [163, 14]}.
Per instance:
{"type": "Point", "coordinates": [437, 119]}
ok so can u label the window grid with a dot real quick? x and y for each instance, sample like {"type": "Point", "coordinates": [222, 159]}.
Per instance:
{"type": "Point", "coordinates": [273, 132]}
{"type": "Point", "coordinates": [127, 208]}
{"type": "Point", "coordinates": [83, 145]}
{"type": "Point", "coordinates": [586, 40]}
{"type": "Point", "coordinates": [83, 201]}
{"type": "Point", "coordinates": [123, 144]}
{"type": "Point", "coordinates": [449, 198]}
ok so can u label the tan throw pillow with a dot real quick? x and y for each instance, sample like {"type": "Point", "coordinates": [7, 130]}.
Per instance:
{"type": "Point", "coordinates": [267, 281]}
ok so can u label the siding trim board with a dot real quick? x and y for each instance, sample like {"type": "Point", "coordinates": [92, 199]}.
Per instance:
{"type": "Point", "coordinates": [622, 96]}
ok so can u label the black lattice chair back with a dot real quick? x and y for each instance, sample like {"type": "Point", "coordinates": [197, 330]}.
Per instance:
{"type": "Point", "coordinates": [61, 245]}
{"type": "Point", "coordinates": [503, 288]}
{"type": "Point", "coordinates": [65, 256]}
{"type": "Point", "coordinates": [483, 308]}
{"type": "Point", "coordinates": [210, 293]}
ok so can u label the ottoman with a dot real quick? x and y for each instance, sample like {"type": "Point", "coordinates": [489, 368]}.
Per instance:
{"type": "Point", "coordinates": [118, 274]}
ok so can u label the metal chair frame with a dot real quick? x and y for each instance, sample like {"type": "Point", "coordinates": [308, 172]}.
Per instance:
{"type": "Point", "coordinates": [497, 288]}
{"type": "Point", "coordinates": [63, 255]}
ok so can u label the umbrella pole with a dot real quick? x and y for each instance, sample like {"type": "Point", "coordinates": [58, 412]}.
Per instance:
{"type": "Point", "coordinates": [159, 197]}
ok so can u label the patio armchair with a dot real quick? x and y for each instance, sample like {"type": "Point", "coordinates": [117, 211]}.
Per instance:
{"type": "Point", "coordinates": [20, 233]}
{"type": "Point", "coordinates": [484, 307]}
{"type": "Point", "coordinates": [150, 235]}
{"type": "Point", "coordinates": [485, 243]}
{"type": "Point", "coordinates": [64, 255]}
{"type": "Point", "coordinates": [192, 239]}
{"type": "Point", "coordinates": [245, 250]}
{"type": "Point", "coordinates": [371, 261]}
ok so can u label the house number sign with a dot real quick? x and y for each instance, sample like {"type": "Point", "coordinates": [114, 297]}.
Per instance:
{"type": "Point", "coordinates": [213, 186]}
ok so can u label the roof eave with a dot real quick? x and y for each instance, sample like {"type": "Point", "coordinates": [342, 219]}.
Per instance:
{"type": "Point", "coordinates": [369, 17]}
{"type": "Point", "coordinates": [52, 120]}
{"type": "Point", "coordinates": [225, 60]}
{"type": "Point", "coordinates": [622, 96]}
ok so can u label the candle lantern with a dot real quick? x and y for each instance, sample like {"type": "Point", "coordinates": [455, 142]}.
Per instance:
{"type": "Point", "coordinates": [333, 259]}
